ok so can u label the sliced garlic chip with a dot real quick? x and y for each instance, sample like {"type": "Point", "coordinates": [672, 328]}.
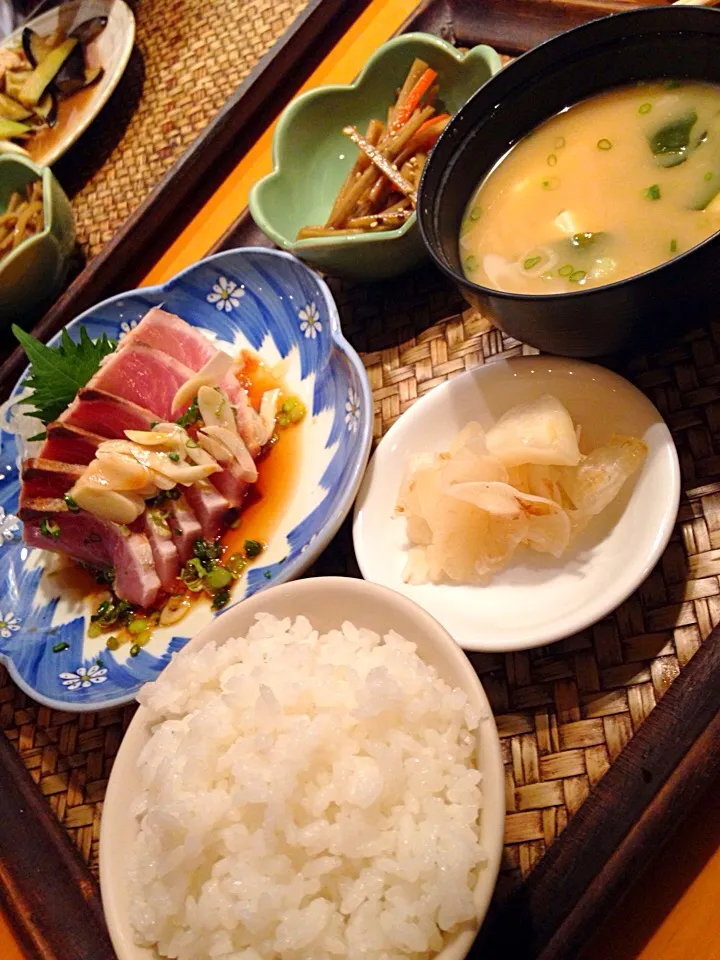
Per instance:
{"type": "Point", "coordinates": [97, 498]}
{"type": "Point", "coordinates": [215, 409]}
{"type": "Point", "coordinates": [122, 472]}
{"type": "Point", "coordinates": [149, 438]}
{"type": "Point", "coordinates": [209, 375]}
{"type": "Point", "coordinates": [236, 447]}
{"type": "Point", "coordinates": [268, 413]}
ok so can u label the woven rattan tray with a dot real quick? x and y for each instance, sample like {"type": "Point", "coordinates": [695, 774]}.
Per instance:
{"type": "Point", "coordinates": [607, 736]}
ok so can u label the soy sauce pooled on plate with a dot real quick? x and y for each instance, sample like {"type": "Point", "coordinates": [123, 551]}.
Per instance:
{"type": "Point", "coordinates": [608, 188]}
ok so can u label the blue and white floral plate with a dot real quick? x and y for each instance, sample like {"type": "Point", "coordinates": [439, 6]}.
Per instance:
{"type": "Point", "coordinates": [261, 299]}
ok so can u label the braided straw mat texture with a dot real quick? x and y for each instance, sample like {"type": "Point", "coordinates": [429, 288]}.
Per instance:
{"type": "Point", "coordinates": [189, 57]}
{"type": "Point", "coordinates": [565, 711]}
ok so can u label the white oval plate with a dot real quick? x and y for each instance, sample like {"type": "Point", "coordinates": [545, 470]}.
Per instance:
{"type": "Point", "coordinates": [111, 50]}
{"type": "Point", "coordinates": [537, 599]}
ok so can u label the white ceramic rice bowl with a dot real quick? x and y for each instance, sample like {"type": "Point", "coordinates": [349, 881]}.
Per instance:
{"type": "Point", "coordinates": [326, 602]}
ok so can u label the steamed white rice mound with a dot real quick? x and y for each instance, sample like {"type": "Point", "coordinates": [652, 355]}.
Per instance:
{"type": "Point", "coordinates": [305, 797]}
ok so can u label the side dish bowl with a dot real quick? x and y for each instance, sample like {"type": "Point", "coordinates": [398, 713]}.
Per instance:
{"type": "Point", "coordinates": [32, 273]}
{"type": "Point", "coordinates": [312, 157]}
{"type": "Point", "coordinates": [326, 602]}
{"type": "Point", "coordinates": [249, 298]}
{"type": "Point", "coordinates": [673, 42]}
{"type": "Point", "coordinates": [111, 51]}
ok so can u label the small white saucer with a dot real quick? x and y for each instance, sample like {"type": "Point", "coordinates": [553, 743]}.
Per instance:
{"type": "Point", "coordinates": [537, 599]}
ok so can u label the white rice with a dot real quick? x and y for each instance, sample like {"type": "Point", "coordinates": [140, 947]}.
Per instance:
{"type": "Point", "coordinates": [305, 797]}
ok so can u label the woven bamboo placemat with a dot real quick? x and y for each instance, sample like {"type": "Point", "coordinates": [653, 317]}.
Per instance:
{"type": "Point", "coordinates": [564, 712]}
{"type": "Point", "coordinates": [188, 58]}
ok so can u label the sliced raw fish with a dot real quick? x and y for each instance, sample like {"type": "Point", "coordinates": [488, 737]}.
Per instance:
{"type": "Point", "coordinates": [101, 412]}
{"type": "Point", "coordinates": [48, 478]}
{"type": "Point", "coordinates": [210, 507]}
{"type": "Point", "coordinates": [164, 551]}
{"type": "Point", "coordinates": [97, 542]}
{"type": "Point", "coordinates": [70, 444]}
{"type": "Point", "coordinates": [143, 375]}
{"type": "Point", "coordinates": [185, 528]}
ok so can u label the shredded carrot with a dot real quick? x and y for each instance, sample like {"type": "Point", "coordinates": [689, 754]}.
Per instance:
{"type": "Point", "coordinates": [434, 126]}
{"type": "Point", "coordinates": [414, 97]}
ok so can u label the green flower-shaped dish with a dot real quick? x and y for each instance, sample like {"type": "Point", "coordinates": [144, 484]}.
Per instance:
{"type": "Point", "coordinates": [312, 156]}
{"type": "Point", "coordinates": [32, 274]}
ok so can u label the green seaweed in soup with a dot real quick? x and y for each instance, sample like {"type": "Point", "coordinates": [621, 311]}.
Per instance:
{"type": "Point", "coordinates": [613, 186]}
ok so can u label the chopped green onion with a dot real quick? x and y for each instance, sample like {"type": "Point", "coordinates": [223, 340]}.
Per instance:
{"type": "Point", "coordinates": [134, 650]}
{"type": "Point", "coordinates": [673, 84]}
{"type": "Point", "coordinates": [297, 413]}
{"type": "Point", "coordinates": [218, 578]}
{"type": "Point", "coordinates": [94, 630]}
{"type": "Point", "coordinates": [708, 176]}
{"type": "Point", "coordinates": [253, 548]}
{"type": "Point", "coordinates": [673, 246]}
{"type": "Point", "coordinates": [50, 529]}
{"type": "Point", "coordinates": [559, 143]}
{"type": "Point", "coordinates": [577, 275]}
{"type": "Point", "coordinates": [267, 575]}
{"type": "Point", "coordinates": [153, 424]}
{"type": "Point", "coordinates": [552, 183]}
{"type": "Point", "coordinates": [565, 270]}
{"type": "Point", "coordinates": [220, 600]}
{"type": "Point", "coordinates": [531, 262]}
{"type": "Point", "coordinates": [282, 420]}
{"type": "Point", "coordinates": [175, 457]}
{"type": "Point", "coordinates": [144, 637]}
{"type": "Point", "coordinates": [192, 444]}
{"type": "Point", "coordinates": [59, 647]}
{"type": "Point", "coordinates": [475, 213]}
{"type": "Point", "coordinates": [193, 575]}
{"type": "Point", "coordinates": [137, 626]}
{"type": "Point", "coordinates": [236, 564]}
{"type": "Point", "coordinates": [604, 144]}
{"type": "Point", "coordinates": [471, 262]}
{"type": "Point", "coordinates": [552, 160]}
{"type": "Point", "coordinates": [288, 405]}
{"type": "Point", "coordinates": [112, 642]}
{"type": "Point", "coordinates": [653, 192]}
{"type": "Point", "coordinates": [71, 504]}
{"type": "Point", "coordinates": [547, 275]}
{"type": "Point", "coordinates": [645, 108]}
{"type": "Point", "coordinates": [191, 415]}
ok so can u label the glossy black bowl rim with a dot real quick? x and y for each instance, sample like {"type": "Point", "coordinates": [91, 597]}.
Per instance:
{"type": "Point", "coordinates": [584, 28]}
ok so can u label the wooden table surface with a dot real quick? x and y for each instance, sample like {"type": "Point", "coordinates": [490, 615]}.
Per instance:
{"type": "Point", "coordinates": [671, 912]}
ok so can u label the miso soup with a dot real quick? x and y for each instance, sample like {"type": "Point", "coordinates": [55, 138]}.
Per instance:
{"type": "Point", "coordinates": [608, 188]}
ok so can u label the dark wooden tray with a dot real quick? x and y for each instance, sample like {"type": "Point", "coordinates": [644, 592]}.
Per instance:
{"type": "Point", "coordinates": [46, 888]}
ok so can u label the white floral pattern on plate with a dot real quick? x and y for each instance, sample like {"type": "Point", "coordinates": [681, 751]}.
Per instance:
{"type": "Point", "coordinates": [9, 623]}
{"type": "Point", "coordinates": [310, 320]}
{"type": "Point", "coordinates": [225, 294]}
{"type": "Point", "coordinates": [352, 411]}
{"type": "Point", "coordinates": [9, 526]}
{"type": "Point", "coordinates": [125, 327]}
{"type": "Point", "coordinates": [84, 677]}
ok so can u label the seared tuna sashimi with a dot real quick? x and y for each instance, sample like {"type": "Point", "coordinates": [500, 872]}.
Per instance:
{"type": "Point", "coordinates": [173, 336]}
{"type": "Point", "coordinates": [108, 415]}
{"type": "Point", "coordinates": [143, 375]}
{"type": "Point", "coordinates": [185, 528]}
{"type": "Point", "coordinates": [134, 391]}
{"type": "Point", "coordinates": [164, 331]}
{"type": "Point", "coordinates": [164, 551]}
{"type": "Point", "coordinates": [70, 444]}
{"type": "Point", "coordinates": [50, 525]}
{"type": "Point", "coordinates": [209, 506]}
{"type": "Point", "coordinates": [43, 478]}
